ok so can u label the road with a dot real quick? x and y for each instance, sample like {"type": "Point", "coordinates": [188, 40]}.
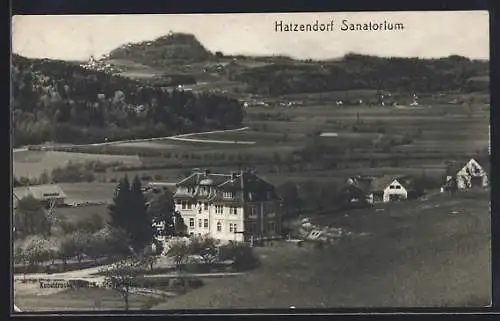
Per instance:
{"type": "Point", "coordinates": [182, 137]}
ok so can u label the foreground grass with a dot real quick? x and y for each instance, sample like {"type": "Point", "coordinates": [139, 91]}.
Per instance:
{"type": "Point", "coordinates": [78, 299]}
{"type": "Point", "coordinates": [436, 254]}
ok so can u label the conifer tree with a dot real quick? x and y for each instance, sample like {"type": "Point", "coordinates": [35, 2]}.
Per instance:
{"type": "Point", "coordinates": [119, 211]}
{"type": "Point", "coordinates": [141, 227]}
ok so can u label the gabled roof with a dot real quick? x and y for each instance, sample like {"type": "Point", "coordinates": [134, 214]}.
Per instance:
{"type": "Point", "coordinates": [41, 191]}
{"type": "Point", "coordinates": [455, 167]}
{"type": "Point", "coordinates": [38, 191]}
{"type": "Point", "coordinates": [380, 183]}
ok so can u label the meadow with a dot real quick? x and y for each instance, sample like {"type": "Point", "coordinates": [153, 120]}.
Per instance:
{"type": "Point", "coordinates": [436, 134]}
{"type": "Point", "coordinates": [417, 252]}
{"type": "Point", "coordinates": [29, 297]}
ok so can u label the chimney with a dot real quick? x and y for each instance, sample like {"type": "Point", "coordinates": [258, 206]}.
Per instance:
{"type": "Point", "coordinates": [207, 171]}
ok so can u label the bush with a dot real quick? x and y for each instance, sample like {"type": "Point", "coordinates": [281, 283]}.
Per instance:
{"type": "Point", "coordinates": [242, 255]}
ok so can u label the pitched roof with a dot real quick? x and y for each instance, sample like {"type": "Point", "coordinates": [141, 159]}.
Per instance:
{"type": "Point", "coordinates": [239, 181]}
{"type": "Point", "coordinates": [455, 167]}
{"type": "Point", "coordinates": [380, 183]}
{"type": "Point", "coordinates": [39, 191]}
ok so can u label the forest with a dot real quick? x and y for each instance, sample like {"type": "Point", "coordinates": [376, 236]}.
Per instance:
{"type": "Point", "coordinates": [62, 102]}
{"type": "Point", "coordinates": [355, 71]}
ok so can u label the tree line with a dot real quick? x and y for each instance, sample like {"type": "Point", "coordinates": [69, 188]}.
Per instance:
{"type": "Point", "coordinates": [129, 228]}
{"type": "Point", "coordinates": [356, 71]}
{"type": "Point", "coordinates": [62, 102]}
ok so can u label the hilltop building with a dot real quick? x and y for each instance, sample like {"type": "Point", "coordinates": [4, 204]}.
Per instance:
{"type": "Point", "coordinates": [229, 207]}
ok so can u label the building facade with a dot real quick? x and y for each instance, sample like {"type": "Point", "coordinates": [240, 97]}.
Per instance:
{"type": "Point", "coordinates": [229, 207]}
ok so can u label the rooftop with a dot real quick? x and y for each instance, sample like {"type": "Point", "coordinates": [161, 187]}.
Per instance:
{"type": "Point", "coordinates": [40, 191]}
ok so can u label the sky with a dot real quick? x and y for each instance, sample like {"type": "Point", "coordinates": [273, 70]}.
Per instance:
{"type": "Point", "coordinates": [426, 34]}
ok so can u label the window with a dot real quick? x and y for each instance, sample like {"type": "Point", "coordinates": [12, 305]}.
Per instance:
{"type": "Point", "coordinates": [189, 205]}
{"type": "Point", "coordinates": [250, 196]}
{"type": "Point", "coordinates": [398, 187]}
{"type": "Point", "coordinates": [219, 226]}
{"type": "Point", "coordinates": [235, 228]}
{"type": "Point", "coordinates": [253, 211]}
{"type": "Point", "coordinates": [184, 205]}
{"type": "Point", "coordinates": [200, 223]}
{"type": "Point", "coordinates": [179, 202]}
{"type": "Point", "coordinates": [205, 206]}
{"type": "Point", "coordinates": [219, 209]}
{"type": "Point", "coordinates": [231, 227]}
{"type": "Point", "coordinates": [271, 227]}
{"type": "Point", "coordinates": [391, 187]}
{"type": "Point", "coordinates": [233, 210]}
{"type": "Point", "coordinates": [228, 195]}
{"type": "Point", "coordinates": [191, 222]}
{"type": "Point", "coordinates": [205, 223]}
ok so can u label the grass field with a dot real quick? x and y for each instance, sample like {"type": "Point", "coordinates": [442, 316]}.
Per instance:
{"type": "Point", "coordinates": [32, 163]}
{"type": "Point", "coordinates": [439, 134]}
{"type": "Point", "coordinates": [82, 213]}
{"type": "Point", "coordinates": [29, 297]}
{"type": "Point", "coordinates": [433, 253]}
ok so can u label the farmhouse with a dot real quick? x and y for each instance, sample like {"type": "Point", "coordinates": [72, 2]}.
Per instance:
{"type": "Point", "coordinates": [387, 188]}
{"type": "Point", "coordinates": [468, 175]}
{"type": "Point", "coordinates": [390, 188]}
{"type": "Point", "coordinates": [44, 193]}
{"type": "Point", "coordinates": [229, 207]}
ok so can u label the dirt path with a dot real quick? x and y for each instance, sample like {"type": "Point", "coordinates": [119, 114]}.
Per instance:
{"type": "Point", "coordinates": [182, 137]}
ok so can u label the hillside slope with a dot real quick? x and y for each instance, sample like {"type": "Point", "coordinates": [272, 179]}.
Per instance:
{"type": "Point", "coordinates": [163, 50]}
{"type": "Point", "coordinates": [279, 75]}
{"type": "Point", "coordinates": [62, 102]}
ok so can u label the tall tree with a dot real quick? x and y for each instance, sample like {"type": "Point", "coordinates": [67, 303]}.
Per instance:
{"type": "Point", "coordinates": [141, 227]}
{"type": "Point", "coordinates": [119, 211]}
{"type": "Point", "coordinates": [162, 211]}
{"type": "Point", "coordinates": [291, 200]}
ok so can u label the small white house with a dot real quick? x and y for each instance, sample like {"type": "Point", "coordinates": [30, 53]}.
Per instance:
{"type": "Point", "coordinates": [472, 174]}
{"type": "Point", "coordinates": [395, 191]}
{"type": "Point", "coordinates": [391, 188]}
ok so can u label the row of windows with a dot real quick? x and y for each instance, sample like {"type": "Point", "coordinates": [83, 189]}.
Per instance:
{"type": "Point", "coordinates": [219, 209]}
{"type": "Point", "coordinates": [395, 187]}
{"type": "Point", "coordinates": [204, 224]}
{"type": "Point", "coordinates": [233, 227]}
{"type": "Point", "coordinates": [226, 195]}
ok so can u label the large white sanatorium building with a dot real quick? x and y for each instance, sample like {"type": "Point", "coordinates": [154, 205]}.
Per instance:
{"type": "Point", "coordinates": [229, 207]}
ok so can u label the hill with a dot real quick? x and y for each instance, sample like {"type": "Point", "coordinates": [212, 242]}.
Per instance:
{"type": "Point", "coordinates": [176, 47]}
{"type": "Point", "coordinates": [280, 75]}
{"type": "Point", "coordinates": [62, 102]}
{"type": "Point", "coordinates": [355, 71]}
